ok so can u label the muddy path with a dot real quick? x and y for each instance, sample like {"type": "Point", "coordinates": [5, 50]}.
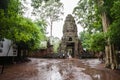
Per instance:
{"type": "Point", "coordinates": [59, 69]}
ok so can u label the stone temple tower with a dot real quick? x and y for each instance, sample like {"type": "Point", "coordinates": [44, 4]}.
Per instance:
{"type": "Point", "coordinates": [70, 42]}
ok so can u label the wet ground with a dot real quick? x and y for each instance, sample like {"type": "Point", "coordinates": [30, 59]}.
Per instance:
{"type": "Point", "coordinates": [59, 69]}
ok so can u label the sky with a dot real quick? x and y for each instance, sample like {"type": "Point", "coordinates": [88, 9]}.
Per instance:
{"type": "Point", "coordinates": [58, 25]}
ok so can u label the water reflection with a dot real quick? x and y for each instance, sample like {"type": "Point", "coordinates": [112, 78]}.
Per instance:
{"type": "Point", "coordinates": [96, 72]}
{"type": "Point", "coordinates": [55, 74]}
{"type": "Point", "coordinates": [48, 70]}
{"type": "Point", "coordinates": [97, 77]}
{"type": "Point", "coordinates": [92, 63]}
{"type": "Point", "coordinates": [60, 69]}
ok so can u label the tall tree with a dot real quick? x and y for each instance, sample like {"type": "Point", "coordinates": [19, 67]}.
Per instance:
{"type": "Point", "coordinates": [108, 12]}
{"type": "Point", "coordinates": [86, 16]}
{"type": "Point", "coordinates": [49, 11]}
{"type": "Point", "coordinates": [105, 6]}
{"type": "Point", "coordinates": [114, 34]}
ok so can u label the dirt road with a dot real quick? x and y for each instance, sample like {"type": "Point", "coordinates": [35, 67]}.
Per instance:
{"type": "Point", "coordinates": [59, 69]}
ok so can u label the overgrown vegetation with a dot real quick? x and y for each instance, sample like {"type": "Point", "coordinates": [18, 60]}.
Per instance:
{"type": "Point", "coordinates": [100, 20]}
{"type": "Point", "coordinates": [19, 29]}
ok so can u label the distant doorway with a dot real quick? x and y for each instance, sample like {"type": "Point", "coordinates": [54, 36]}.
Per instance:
{"type": "Point", "coordinates": [70, 49]}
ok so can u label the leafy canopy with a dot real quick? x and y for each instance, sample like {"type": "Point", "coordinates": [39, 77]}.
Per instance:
{"type": "Point", "coordinates": [15, 27]}
{"type": "Point", "coordinates": [87, 15]}
{"type": "Point", "coordinates": [114, 28]}
{"type": "Point", "coordinates": [93, 42]}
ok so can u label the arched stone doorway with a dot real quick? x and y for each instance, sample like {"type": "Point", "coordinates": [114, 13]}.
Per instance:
{"type": "Point", "coordinates": [71, 49]}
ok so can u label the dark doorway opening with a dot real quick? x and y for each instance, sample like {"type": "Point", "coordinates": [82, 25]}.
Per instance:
{"type": "Point", "coordinates": [70, 48]}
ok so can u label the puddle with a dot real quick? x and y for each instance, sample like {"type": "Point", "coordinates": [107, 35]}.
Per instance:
{"type": "Point", "coordinates": [42, 64]}
{"type": "Point", "coordinates": [49, 72]}
{"type": "Point", "coordinates": [51, 69]}
{"type": "Point", "coordinates": [92, 63]}
{"type": "Point", "coordinates": [97, 76]}
{"type": "Point", "coordinates": [79, 75]}
{"type": "Point", "coordinates": [55, 74]}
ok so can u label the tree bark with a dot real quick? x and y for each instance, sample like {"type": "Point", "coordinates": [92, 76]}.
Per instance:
{"type": "Point", "coordinates": [114, 64]}
{"type": "Point", "coordinates": [110, 60]}
{"type": "Point", "coordinates": [51, 26]}
{"type": "Point", "coordinates": [105, 23]}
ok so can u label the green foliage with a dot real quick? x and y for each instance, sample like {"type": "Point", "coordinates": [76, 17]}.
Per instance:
{"type": "Point", "coordinates": [113, 32]}
{"type": "Point", "coordinates": [115, 10]}
{"type": "Point", "coordinates": [98, 42]}
{"type": "Point", "coordinates": [19, 29]}
{"type": "Point", "coordinates": [111, 9]}
{"type": "Point", "coordinates": [86, 16]}
{"type": "Point", "coordinates": [56, 42]}
{"type": "Point", "coordinates": [38, 3]}
{"type": "Point", "coordinates": [85, 37]}
{"type": "Point", "coordinates": [93, 42]}
{"type": "Point", "coordinates": [15, 7]}
{"type": "Point", "coordinates": [42, 24]}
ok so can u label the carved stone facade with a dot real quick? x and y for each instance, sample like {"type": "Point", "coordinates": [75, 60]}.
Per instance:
{"type": "Point", "coordinates": [70, 42]}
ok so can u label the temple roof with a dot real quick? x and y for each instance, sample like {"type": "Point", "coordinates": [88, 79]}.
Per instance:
{"type": "Point", "coordinates": [69, 18]}
{"type": "Point", "coordinates": [69, 24]}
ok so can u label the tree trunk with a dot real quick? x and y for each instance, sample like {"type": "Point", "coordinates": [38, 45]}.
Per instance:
{"type": "Point", "coordinates": [110, 60]}
{"type": "Point", "coordinates": [51, 26]}
{"type": "Point", "coordinates": [114, 64]}
{"type": "Point", "coordinates": [105, 23]}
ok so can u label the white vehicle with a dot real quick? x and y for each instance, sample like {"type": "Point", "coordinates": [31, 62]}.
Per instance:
{"type": "Point", "coordinates": [7, 48]}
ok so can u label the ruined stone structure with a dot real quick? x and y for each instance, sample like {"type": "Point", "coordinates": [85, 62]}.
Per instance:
{"type": "Point", "coordinates": [70, 42]}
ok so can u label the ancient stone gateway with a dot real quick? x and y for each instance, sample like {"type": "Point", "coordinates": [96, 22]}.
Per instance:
{"type": "Point", "coordinates": [70, 42]}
